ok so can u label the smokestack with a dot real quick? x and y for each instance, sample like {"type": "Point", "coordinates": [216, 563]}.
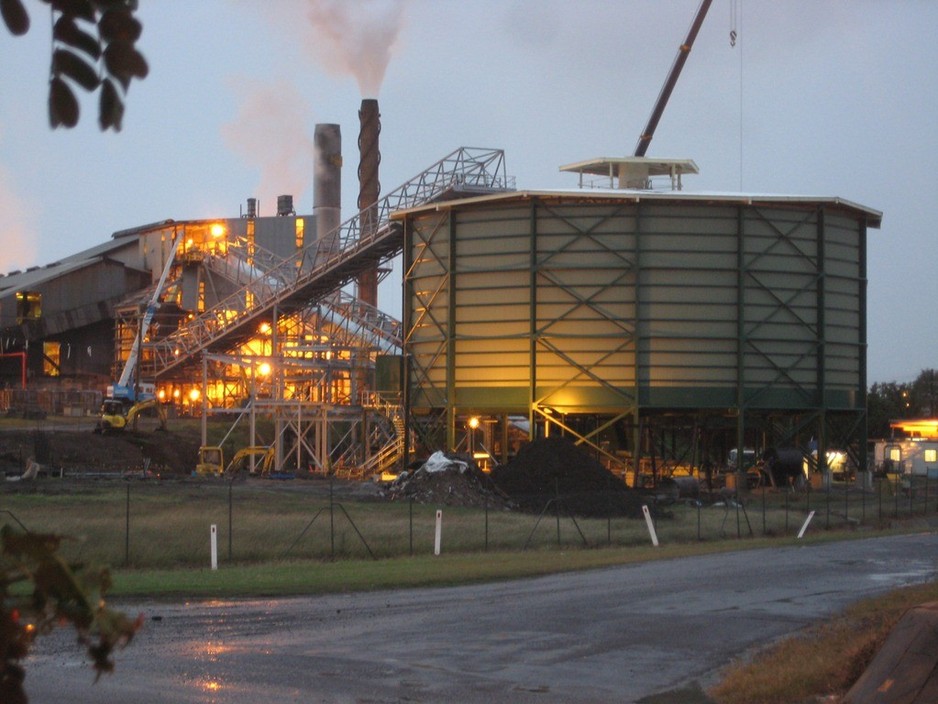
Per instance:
{"type": "Point", "coordinates": [285, 206]}
{"type": "Point", "coordinates": [369, 189]}
{"type": "Point", "coordinates": [327, 179]}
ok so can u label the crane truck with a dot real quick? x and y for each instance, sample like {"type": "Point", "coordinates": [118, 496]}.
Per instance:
{"type": "Point", "coordinates": [126, 398]}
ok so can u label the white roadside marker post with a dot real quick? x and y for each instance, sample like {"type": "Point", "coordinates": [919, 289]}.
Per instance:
{"type": "Point", "coordinates": [805, 526]}
{"type": "Point", "coordinates": [214, 547]}
{"type": "Point", "coordinates": [439, 532]}
{"type": "Point", "coordinates": [651, 526]}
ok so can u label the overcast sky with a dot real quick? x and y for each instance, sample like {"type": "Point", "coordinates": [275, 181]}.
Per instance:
{"type": "Point", "coordinates": [818, 97]}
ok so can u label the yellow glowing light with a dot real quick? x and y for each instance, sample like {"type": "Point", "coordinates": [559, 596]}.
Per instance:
{"type": "Point", "coordinates": [175, 393]}
{"type": "Point", "coordinates": [918, 427]}
{"type": "Point", "coordinates": [474, 422]}
{"type": "Point", "coordinates": [162, 394]}
{"type": "Point", "coordinates": [194, 395]}
{"type": "Point", "coordinates": [264, 329]}
{"type": "Point", "coordinates": [217, 229]}
{"type": "Point", "coordinates": [263, 369]}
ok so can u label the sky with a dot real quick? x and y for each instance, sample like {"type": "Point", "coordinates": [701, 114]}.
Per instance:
{"type": "Point", "coordinates": [816, 98]}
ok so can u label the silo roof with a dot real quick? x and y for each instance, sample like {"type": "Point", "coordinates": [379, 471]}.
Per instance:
{"type": "Point", "coordinates": [872, 216]}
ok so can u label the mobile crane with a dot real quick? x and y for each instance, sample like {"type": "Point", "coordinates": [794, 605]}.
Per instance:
{"type": "Point", "coordinates": [124, 400]}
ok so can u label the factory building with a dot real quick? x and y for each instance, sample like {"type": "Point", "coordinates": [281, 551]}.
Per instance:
{"type": "Point", "coordinates": [657, 327]}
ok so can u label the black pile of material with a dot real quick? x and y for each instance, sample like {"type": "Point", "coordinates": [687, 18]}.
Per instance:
{"type": "Point", "coordinates": [555, 470]}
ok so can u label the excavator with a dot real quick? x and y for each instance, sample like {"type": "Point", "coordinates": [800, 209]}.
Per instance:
{"type": "Point", "coordinates": [117, 414]}
{"type": "Point", "coordinates": [212, 460]}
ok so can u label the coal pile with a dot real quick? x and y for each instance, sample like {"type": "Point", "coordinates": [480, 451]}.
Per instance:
{"type": "Point", "coordinates": [554, 469]}
{"type": "Point", "coordinates": [446, 480]}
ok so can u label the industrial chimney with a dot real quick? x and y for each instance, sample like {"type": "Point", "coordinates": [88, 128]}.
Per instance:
{"type": "Point", "coordinates": [369, 189]}
{"type": "Point", "coordinates": [327, 179]}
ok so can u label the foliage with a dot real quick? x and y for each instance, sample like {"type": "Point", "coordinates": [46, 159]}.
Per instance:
{"type": "Point", "coordinates": [93, 46]}
{"type": "Point", "coordinates": [59, 595]}
{"type": "Point", "coordinates": [892, 401]}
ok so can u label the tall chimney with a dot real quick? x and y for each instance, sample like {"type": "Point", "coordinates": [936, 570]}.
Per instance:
{"type": "Point", "coordinates": [369, 189]}
{"type": "Point", "coordinates": [327, 179]}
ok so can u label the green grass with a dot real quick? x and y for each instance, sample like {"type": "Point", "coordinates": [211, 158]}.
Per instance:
{"type": "Point", "coordinates": [166, 525]}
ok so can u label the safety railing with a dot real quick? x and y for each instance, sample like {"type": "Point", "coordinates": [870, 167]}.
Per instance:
{"type": "Point", "coordinates": [331, 261]}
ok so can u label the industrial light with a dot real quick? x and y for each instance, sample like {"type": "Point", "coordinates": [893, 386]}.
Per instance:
{"type": "Point", "coordinates": [217, 229]}
{"type": "Point", "coordinates": [263, 369]}
{"type": "Point", "coordinates": [194, 395]}
{"type": "Point", "coordinates": [474, 422]}
{"type": "Point", "coordinates": [264, 328]}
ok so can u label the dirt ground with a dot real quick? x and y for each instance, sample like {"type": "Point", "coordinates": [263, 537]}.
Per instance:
{"type": "Point", "coordinates": [77, 450]}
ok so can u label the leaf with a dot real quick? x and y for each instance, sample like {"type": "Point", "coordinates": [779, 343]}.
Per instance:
{"type": "Point", "coordinates": [124, 62]}
{"type": "Point", "coordinates": [119, 25]}
{"type": "Point", "coordinates": [67, 32]}
{"type": "Point", "coordinates": [63, 107]}
{"type": "Point", "coordinates": [65, 62]}
{"type": "Point", "coordinates": [83, 9]}
{"type": "Point", "coordinates": [14, 16]}
{"type": "Point", "coordinates": [111, 111]}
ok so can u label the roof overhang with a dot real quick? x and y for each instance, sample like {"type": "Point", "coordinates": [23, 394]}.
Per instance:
{"type": "Point", "coordinates": [872, 217]}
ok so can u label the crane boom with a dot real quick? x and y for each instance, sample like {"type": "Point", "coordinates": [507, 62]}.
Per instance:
{"type": "Point", "coordinates": [123, 389]}
{"type": "Point", "coordinates": [669, 84]}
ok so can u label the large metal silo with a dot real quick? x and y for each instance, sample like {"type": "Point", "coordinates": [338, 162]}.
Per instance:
{"type": "Point", "coordinates": [624, 306]}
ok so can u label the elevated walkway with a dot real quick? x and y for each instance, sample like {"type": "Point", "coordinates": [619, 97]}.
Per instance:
{"type": "Point", "coordinates": [323, 267]}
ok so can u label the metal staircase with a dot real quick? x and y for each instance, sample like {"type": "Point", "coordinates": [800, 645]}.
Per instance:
{"type": "Point", "coordinates": [323, 267]}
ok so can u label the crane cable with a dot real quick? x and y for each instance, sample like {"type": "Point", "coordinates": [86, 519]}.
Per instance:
{"type": "Point", "coordinates": [735, 14]}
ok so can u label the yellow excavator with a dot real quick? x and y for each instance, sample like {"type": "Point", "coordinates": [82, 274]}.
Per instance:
{"type": "Point", "coordinates": [117, 414]}
{"type": "Point", "coordinates": [212, 460]}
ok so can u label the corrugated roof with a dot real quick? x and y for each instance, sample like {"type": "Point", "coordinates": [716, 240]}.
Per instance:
{"type": "Point", "coordinates": [37, 275]}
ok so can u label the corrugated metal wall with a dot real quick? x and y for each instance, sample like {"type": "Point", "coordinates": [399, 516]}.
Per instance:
{"type": "Point", "coordinates": [586, 305]}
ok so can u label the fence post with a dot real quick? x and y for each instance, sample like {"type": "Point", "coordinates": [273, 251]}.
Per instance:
{"type": "Point", "coordinates": [786, 513]}
{"type": "Point", "coordinates": [230, 525]}
{"type": "Point", "coordinates": [127, 531]}
{"type": "Point", "coordinates": [699, 538]}
{"type": "Point", "coordinates": [879, 497]}
{"type": "Point", "coordinates": [895, 492]}
{"type": "Point", "coordinates": [764, 531]}
{"type": "Point", "coordinates": [846, 497]}
{"type": "Point", "coordinates": [925, 505]}
{"type": "Point", "coordinates": [486, 525]}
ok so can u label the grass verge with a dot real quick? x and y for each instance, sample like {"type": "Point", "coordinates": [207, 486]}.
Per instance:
{"type": "Point", "coordinates": [306, 577]}
{"type": "Point", "coordinates": [824, 660]}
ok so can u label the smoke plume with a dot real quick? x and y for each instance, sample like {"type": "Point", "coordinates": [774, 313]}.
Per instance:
{"type": "Point", "coordinates": [19, 243]}
{"type": "Point", "coordinates": [356, 38]}
{"type": "Point", "coordinates": [269, 133]}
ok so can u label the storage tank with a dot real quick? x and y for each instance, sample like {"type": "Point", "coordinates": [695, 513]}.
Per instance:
{"type": "Point", "coordinates": [622, 302]}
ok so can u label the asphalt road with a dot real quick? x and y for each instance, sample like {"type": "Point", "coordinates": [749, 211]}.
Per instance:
{"type": "Point", "coordinates": [625, 634]}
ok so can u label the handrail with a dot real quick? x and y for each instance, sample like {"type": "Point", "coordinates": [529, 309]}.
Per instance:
{"type": "Point", "coordinates": [465, 169]}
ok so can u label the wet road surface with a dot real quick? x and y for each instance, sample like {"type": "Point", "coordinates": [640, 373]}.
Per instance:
{"type": "Point", "coordinates": [619, 634]}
